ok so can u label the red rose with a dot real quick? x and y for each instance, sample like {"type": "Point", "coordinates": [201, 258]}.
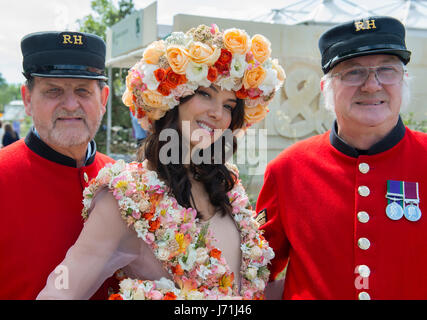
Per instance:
{"type": "Point", "coordinates": [212, 74]}
{"type": "Point", "coordinates": [173, 79]}
{"type": "Point", "coordinates": [224, 61]}
{"type": "Point", "coordinates": [225, 57]}
{"type": "Point", "coordinates": [164, 89]}
{"type": "Point", "coordinates": [154, 225]}
{"type": "Point", "coordinates": [160, 74]}
{"type": "Point", "coordinates": [242, 93]}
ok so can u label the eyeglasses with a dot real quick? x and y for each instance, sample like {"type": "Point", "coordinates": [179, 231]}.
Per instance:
{"type": "Point", "coordinates": [356, 76]}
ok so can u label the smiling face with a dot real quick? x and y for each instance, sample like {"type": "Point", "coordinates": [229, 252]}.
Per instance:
{"type": "Point", "coordinates": [204, 117]}
{"type": "Point", "coordinates": [371, 104]}
{"type": "Point", "coordinates": [66, 112]}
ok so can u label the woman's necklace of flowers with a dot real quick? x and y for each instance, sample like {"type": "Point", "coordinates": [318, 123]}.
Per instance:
{"type": "Point", "coordinates": [184, 248]}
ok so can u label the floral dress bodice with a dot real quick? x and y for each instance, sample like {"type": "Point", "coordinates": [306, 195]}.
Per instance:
{"type": "Point", "coordinates": [186, 248]}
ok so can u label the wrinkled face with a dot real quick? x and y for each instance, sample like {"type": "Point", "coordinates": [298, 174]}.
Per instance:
{"type": "Point", "coordinates": [66, 112]}
{"type": "Point", "coordinates": [371, 104]}
{"type": "Point", "coordinates": [204, 117]}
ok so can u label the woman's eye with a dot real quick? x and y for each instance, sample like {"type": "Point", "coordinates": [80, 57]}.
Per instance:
{"type": "Point", "coordinates": [203, 93]}
{"type": "Point", "coordinates": [228, 107]}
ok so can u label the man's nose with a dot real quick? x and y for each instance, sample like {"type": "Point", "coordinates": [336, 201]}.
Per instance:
{"type": "Point", "coordinates": [70, 101]}
{"type": "Point", "coordinates": [372, 84]}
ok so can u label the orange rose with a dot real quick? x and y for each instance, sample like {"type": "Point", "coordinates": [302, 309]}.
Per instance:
{"type": "Point", "coordinates": [202, 53]}
{"type": "Point", "coordinates": [255, 114]}
{"type": "Point", "coordinates": [127, 98]}
{"type": "Point", "coordinates": [177, 270]}
{"type": "Point", "coordinates": [254, 77]}
{"type": "Point", "coordinates": [260, 48]}
{"type": "Point", "coordinates": [169, 296]}
{"type": "Point", "coordinates": [236, 40]}
{"type": "Point", "coordinates": [215, 253]}
{"type": "Point", "coordinates": [115, 296]}
{"type": "Point", "coordinates": [153, 52]}
{"type": "Point", "coordinates": [178, 58]}
{"type": "Point", "coordinates": [154, 225]}
{"type": "Point", "coordinates": [153, 99]}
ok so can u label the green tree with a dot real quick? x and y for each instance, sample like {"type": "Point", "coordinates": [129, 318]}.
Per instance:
{"type": "Point", "coordinates": [8, 92]}
{"type": "Point", "coordinates": [106, 14]}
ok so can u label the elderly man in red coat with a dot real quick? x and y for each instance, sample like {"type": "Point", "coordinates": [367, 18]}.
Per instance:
{"type": "Point", "coordinates": [43, 176]}
{"type": "Point", "coordinates": [346, 210]}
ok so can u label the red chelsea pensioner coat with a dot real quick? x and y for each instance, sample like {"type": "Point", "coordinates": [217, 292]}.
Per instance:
{"type": "Point", "coordinates": [41, 194]}
{"type": "Point", "coordinates": [326, 218]}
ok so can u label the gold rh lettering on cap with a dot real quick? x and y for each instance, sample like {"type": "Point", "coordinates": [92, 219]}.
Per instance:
{"type": "Point", "coordinates": [365, 25]}
{"type": "Point", "coordinates": [67, 38]}
{"type": "Point", "coordinates": [78, 39]}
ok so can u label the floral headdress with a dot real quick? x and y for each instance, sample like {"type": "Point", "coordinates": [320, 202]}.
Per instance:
{"type": "Point", "coordinates": [175, 67]}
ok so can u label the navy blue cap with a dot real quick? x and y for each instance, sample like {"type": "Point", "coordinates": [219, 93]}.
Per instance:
{"type": "Point", "coordinates": [371, 35]}
{"type": "Point", "coordinates": [63, 55]}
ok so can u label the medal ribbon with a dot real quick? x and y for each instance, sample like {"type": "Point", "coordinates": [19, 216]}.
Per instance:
{"type": "Point", "coordinates": [395, 192]}
{"type": "Point", "coordinates": [411, 192]}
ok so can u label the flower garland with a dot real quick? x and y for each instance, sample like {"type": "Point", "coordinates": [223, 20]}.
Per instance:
{"type": "Point", "coordinates": [175, 67]}
{"type": "Point", "coordinates": [198, 269]}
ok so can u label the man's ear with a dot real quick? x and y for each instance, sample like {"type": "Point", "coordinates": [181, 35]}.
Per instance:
{"type": "Point", "coordinates": [104, 97]}
{"type": "Point", "coordinates": [322, 84]}
{"type": "Point", "coordinates": [26, 98]}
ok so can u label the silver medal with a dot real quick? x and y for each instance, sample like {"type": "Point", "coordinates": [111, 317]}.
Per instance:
{"type": "Point", "coordinates": [412, 213]}
{"type": "Point", "coordinates": [394, 211]}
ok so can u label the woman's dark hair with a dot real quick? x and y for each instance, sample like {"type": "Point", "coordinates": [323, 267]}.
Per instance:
{"type": "Point", "coordinates": [8, 128]}
{"type": "Point", "coordinates": [216, 178]}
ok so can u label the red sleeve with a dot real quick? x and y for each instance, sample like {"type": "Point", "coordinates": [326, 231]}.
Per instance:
{"type": "Point", "coordinates": [269, 200]}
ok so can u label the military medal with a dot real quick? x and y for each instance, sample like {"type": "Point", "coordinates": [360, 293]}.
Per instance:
{"type": "Point", "coordinates": [395, 195]}
{"type": "Point", "coordinates": [412, 212]}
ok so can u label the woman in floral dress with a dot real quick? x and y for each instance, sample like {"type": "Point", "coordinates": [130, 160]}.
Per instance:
{"type": "Point", "coordinates": [177, 224]}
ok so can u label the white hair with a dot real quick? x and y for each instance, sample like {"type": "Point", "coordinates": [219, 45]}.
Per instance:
{"type": "Point", "coordinates": [328, 93]}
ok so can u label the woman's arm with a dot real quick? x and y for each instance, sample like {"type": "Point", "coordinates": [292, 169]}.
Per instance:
{"type": "Point", "coordinates": [105, 245]}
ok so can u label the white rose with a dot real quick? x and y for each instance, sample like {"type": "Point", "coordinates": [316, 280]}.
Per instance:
{"type": "Point", "coordinates": [255, 253]}
{"type": "Point", "coordinates": [139, 225]}
{"type": "Point", "coordinates": [126, 284]}
{"type": "Point", "coordinates": [220, 269]}
{"type": "Point", "coordinates": [202, 255]}
{"type": "Point", "coordinates": [144, 205]}
{"type": "Point", "coordinates": [163, 254]}
{"type": "Point", "coordinates": [195, 295]}
{"type": "Point", "coordinates": [270, 82]}
{"type": "Point", "coordinates": [251, 273]}
{"type": "Point", "coordinates": [165, 283]}
{"type": "Point", "coordinates": [139, 294]}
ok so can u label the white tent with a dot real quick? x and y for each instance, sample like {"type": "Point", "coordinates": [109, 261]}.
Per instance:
{"type": "Point", "coordinates": [413, 13]}
{"type": "Point", "coordinates": [14, 111]}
